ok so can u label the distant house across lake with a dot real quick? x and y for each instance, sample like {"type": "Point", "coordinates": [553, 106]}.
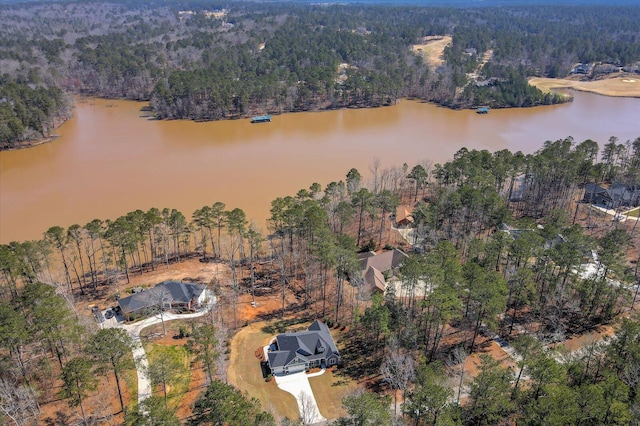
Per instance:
{"type": "Point", "coordinates": [583, 69]}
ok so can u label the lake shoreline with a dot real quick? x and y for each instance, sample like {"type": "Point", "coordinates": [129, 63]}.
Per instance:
{"type": "Point", "coordinates": [109, 161]}
{"type": "Point", "coordinates": [32, 143]}
{"type": "Point", "coordinates": [147, 109]}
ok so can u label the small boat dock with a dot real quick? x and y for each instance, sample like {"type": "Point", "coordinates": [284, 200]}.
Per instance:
{"type": "Point", "coordinates": [261, 119]}
{"type": "Point", "coordinates": [482, 110]}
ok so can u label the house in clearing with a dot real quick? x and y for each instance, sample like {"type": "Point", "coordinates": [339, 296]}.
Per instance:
{"type": "Point", "coordinates": [167, 294]}
{"type": "Point", "coordinates": [295, 352]}
{"type": "Point", "coordinates": [374, 266]}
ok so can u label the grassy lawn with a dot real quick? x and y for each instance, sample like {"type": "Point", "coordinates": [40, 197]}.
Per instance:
{"type": "Point", "coordinates": [173, 328]}
{"type": "Point", "coordinates": [130, 379]}
{"type": "Point", "coordinates": [329, 390]}
{"type": "Point", "coordinates": [179, 386]}
{"type": "Point", "coordinates": [634, 213]}
{"type": "Point", "coordinates": [245, 373]}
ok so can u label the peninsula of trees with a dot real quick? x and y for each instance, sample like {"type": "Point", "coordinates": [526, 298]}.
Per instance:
{"type": "Point", "coordinates": [202, 62]}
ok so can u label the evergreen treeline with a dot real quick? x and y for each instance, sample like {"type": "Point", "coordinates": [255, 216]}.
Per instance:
{"type": "Point", "coordinates": [29, 111]}
{"type": "Point", "coordinates": [279, 57]}
{"type": "Point", "coordinates": [467, 280]}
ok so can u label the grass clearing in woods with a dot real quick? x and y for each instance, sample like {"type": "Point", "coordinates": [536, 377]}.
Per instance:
{"type": "Point", "coordinates": [178, 387]}
{"type": "Point", "coordinates": [432, 49]}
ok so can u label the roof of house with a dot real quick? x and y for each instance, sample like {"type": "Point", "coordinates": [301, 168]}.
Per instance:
{"type": "Point", "coordinates": [384, 261]}
{"type": "Point", "coordinates": [403, 213]}
{"type": "Point", "coordinates": [595, 189]}
{"type": "Point", "coordinates": [165, 292]}
{"type": "Point", "coordinates": [315, 343]}
{"type": "Point", "coordinates": [374, 279]}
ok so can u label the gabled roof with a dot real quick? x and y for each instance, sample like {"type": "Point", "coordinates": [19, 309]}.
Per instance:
{"type": "Point", "coordinates": [592, 188]}
{"type": "Point", "coordinates": [182, 292]}
{"type": "Point", "coordinates": [165, 292]}
{"type": "Point", "coordinates": [384, 261]}
{"type": "Point", "coordinates": [374, 279]}
{"type": "Point", "coordinates": [403, 213]}
{"type": "Point", "coordinates": [315, 343]}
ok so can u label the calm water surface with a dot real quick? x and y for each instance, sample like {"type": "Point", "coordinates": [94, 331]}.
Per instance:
{"type": "Point", "coordinates": [110, 159]}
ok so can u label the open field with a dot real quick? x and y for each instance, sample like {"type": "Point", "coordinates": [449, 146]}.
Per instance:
{"type": "Point", "coordinates": [432, 49]}
{"type": "Point", "coordinates": [625, 86]}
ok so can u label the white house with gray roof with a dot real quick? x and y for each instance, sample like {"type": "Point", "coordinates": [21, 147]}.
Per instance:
{"type": "Point", "coordinates": [295, 352]}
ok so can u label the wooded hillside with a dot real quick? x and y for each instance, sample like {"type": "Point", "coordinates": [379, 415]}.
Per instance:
{"type": "Point", "coordinates": [203, 62]}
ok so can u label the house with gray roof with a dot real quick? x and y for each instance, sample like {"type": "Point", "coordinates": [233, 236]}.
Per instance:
{"type": "Point", "coordinates": [614, 196]}
{"type": "Point", "coordinates": [167, 295]}
{"type": "Point", "coordinates": [295, 352]}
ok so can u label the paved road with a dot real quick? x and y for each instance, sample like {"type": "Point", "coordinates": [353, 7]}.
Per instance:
{"type": "Point", "coordinates": [297, 384]}
{"type": "Point", "coordinates": [139, 355]}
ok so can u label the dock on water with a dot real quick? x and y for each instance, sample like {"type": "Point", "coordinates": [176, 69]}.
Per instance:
{"type": "Point", "coordinates": [261, 119]}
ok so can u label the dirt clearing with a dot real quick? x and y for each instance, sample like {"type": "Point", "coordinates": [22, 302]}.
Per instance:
{"type": "Point", "coordinates": [432, 49]}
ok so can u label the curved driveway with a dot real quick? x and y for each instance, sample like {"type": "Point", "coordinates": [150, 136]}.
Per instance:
{"type": "Point", "coordinates": [297, 384]}
{"type": "Point", "coordinates": [139, 355]}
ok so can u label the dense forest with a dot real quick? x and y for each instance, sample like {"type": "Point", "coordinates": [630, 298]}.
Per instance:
{"type": "Point", "coordinates": [205, 61]}
{"type": "Point", "coordinates": [467, 276]}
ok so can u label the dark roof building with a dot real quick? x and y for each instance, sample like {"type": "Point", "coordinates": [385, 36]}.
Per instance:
{"type": "Point", "coordinates": [166, 294]}
{"type": "Point", "coordinates": [582, 69]}
{"type": "Point", "coordinates": [615, 196]}
{"type": "Point", "coordinates": [294, 352]}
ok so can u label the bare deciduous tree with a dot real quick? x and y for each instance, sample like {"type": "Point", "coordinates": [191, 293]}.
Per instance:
{"type": "Point", "coordinates": [308, 412]}
{"type": "Point", "coordinates": [19, 404]}
{"type": "Point", "coordinates": [398, 371]}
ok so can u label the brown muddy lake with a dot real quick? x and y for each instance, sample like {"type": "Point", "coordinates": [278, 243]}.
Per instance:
{"type": "Point", "coordinates": [111, 158]}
